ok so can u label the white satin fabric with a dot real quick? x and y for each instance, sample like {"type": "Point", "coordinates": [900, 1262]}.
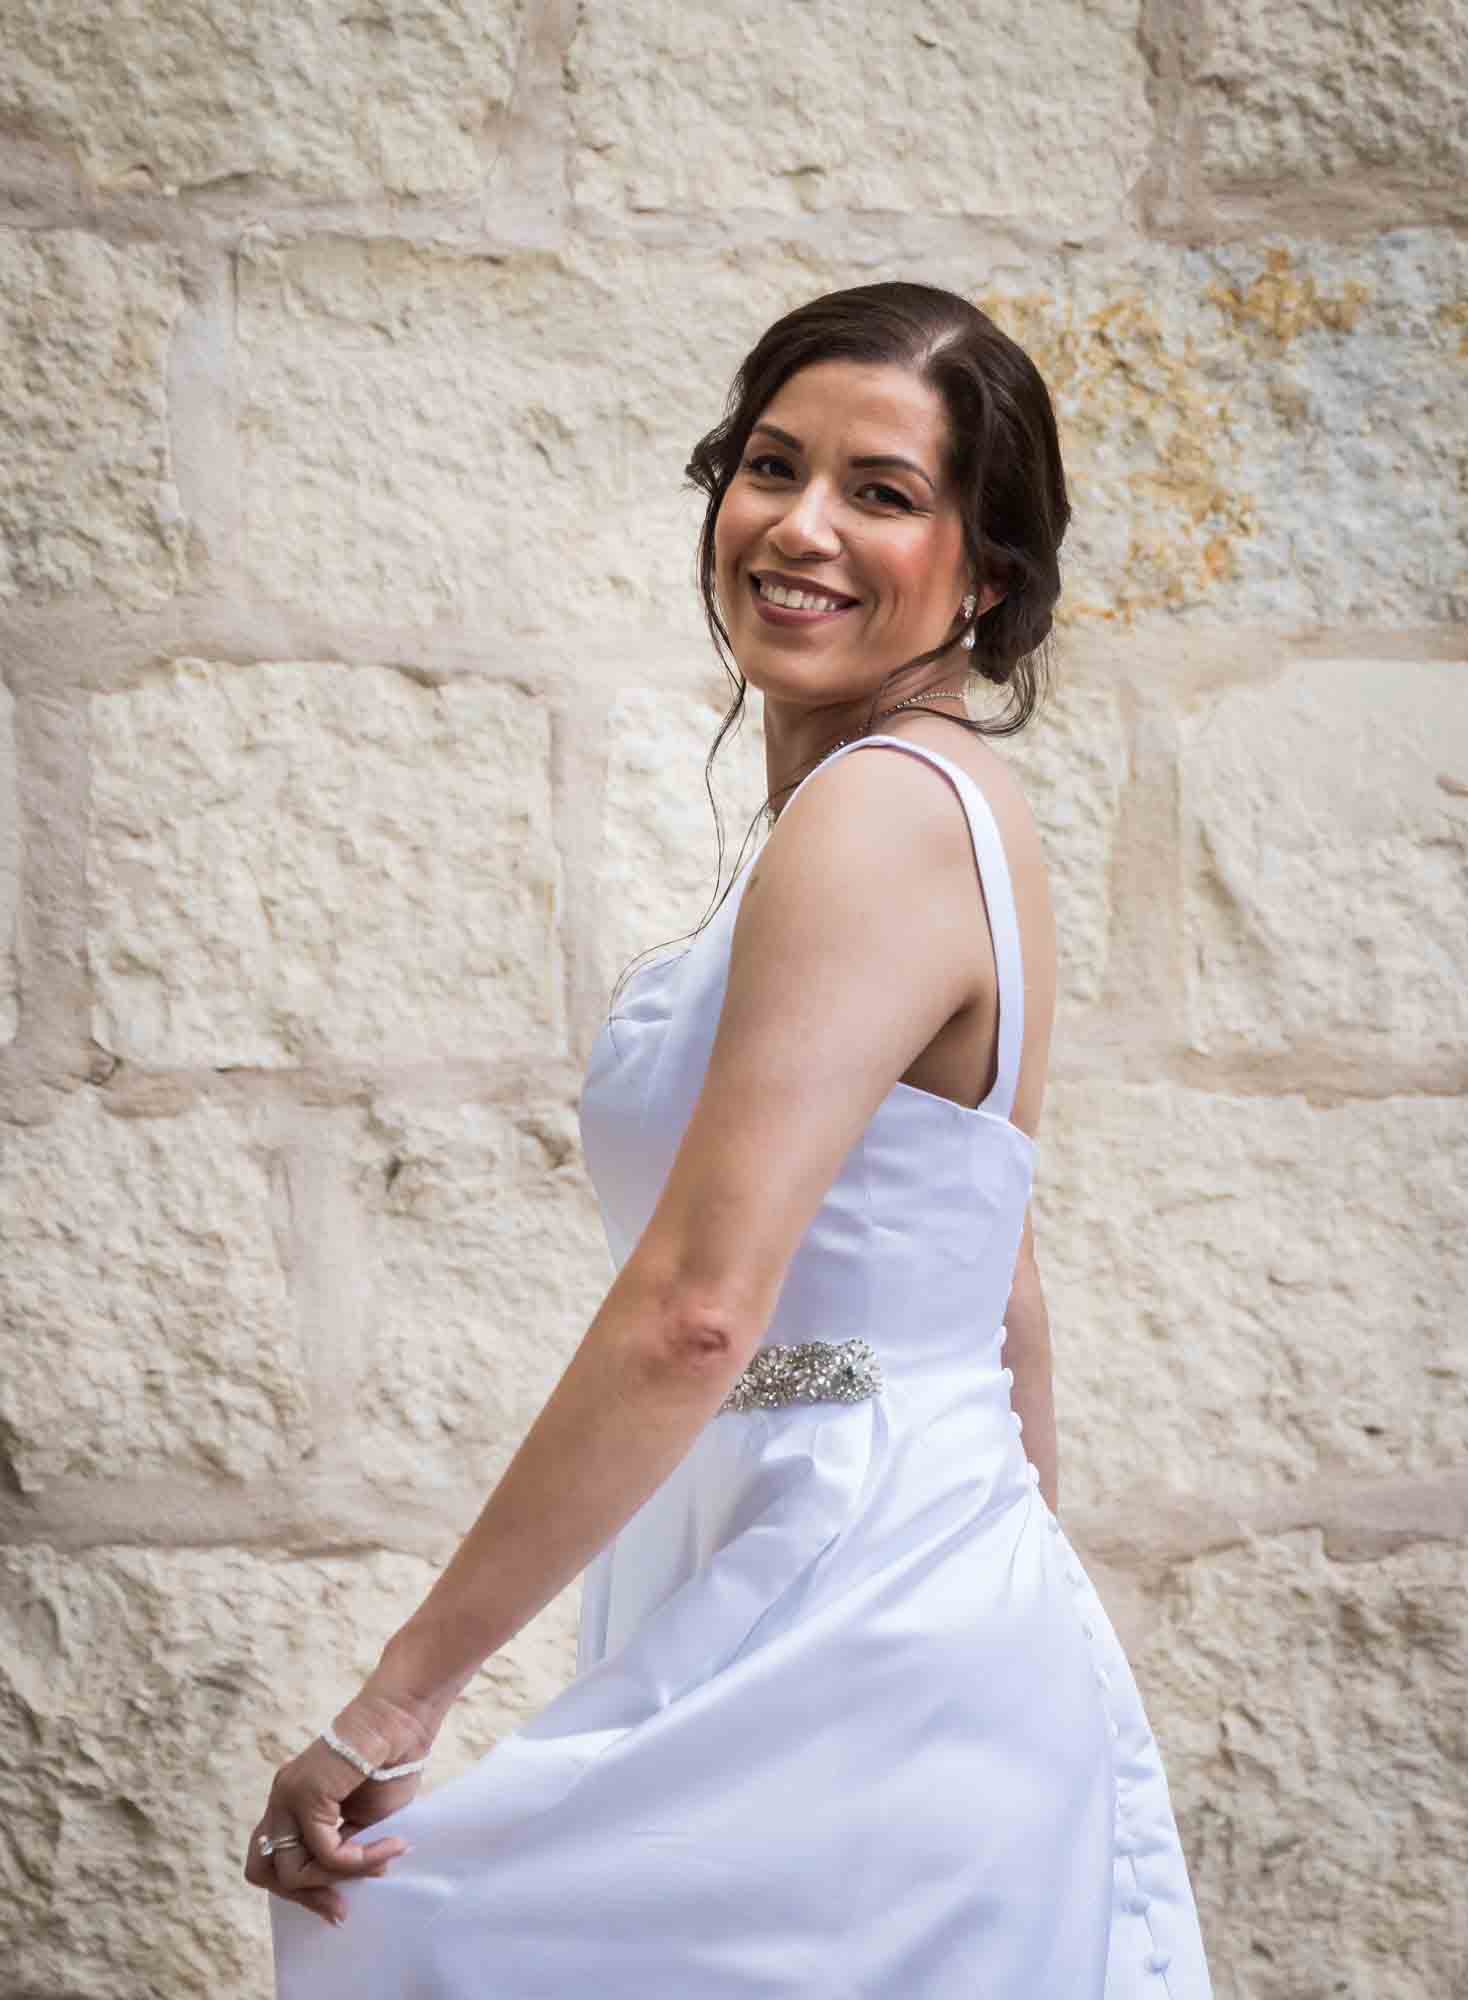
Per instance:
{"type": "Point", "coordinates": [849, 1721]}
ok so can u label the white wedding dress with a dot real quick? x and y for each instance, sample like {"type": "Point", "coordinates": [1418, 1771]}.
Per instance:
{"type": "Point", "coordinates": [849, 1721]}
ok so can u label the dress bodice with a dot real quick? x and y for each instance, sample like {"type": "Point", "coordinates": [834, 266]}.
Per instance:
{"type": "Point", "coordinates": [928, 1204]}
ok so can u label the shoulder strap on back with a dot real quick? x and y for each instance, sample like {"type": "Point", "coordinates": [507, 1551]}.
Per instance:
{"type": "Point", "coordinates": [994, 879]}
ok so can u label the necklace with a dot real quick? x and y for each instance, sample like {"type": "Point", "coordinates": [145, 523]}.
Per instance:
{"type": "Point", "coordinates": [933, 694]}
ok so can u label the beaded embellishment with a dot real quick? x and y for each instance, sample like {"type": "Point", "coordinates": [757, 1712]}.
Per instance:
{"type": "Point", "coordinates": [809, 1371]}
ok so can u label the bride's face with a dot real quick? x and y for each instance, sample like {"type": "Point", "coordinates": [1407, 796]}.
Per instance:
{"type": "Point", "coordinates": [838, 546]}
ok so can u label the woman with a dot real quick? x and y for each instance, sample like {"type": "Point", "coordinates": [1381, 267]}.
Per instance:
{"type": "Point", "coordinates": [848, 1717]}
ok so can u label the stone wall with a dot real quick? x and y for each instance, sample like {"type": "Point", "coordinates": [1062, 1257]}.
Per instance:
{"type": "Point", "coordinates": [351, 740]}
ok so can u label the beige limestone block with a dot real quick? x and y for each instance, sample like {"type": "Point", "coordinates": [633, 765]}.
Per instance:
{"type": "Point", "coordinates": [9, 869]}
{"type": "Point", "coordinates": [938, 108]}
{"type": "Point", "coordinates": [148, 1699]}
{"type": "Point", "coordinates": [1249, 1292]}
{"type": "Point", "coordinates": [658, 851]}
{"type": "Point", "coordinates": [87, 499]}
{"type": "Point", "coordinates": [1326, 865]}
{"type": "Point", "coordinates": [324, 99]}
{"type": "Point", "coordinates": [487, 1263]}
{"type": "Point", "coordinates": [1272, 432]}
{"type": "Point", "coordinates": [1311, 1715]}
{"type": "Point", "coordinates": [291, 861]}
{"type": "Point", "coordinates": [1284, 91]}
{"type": "Point", "coordinates": [1072, 763]}
{"type": "Point", "coordinates": [145, 1300]}
{"type": "Point", "coordinates": [496, 442]}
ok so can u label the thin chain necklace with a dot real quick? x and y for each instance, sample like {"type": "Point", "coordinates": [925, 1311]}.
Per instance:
{"type": "Point", "coordinates": [933, 694]}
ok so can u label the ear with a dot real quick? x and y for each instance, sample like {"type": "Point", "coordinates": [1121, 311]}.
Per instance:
{"type": "Point", "coordinates": [984, 602]}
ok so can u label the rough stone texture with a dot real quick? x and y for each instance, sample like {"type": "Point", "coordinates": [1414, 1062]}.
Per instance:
{"type": "Point", "coordinates": [145, 1298]}
{"type": "Point", "coordinates": [1298, 937]}
{"type": "Point", "coordinates": [1312, 1714]}
{"type": "Point", "coordinates": [147, 1699]}
{"type": "Point", "coordinates": [1073, 764]}
{"type": "Point", "coordinates": [1272, 432]}
{"type": "Point", "coordinates": [9, 869]}
{"type": "Point", "coordinates": [498, 441]}
{"type": "Point", "coordinates": [87, 500]}
{"type": "Point", "coordinates": [290, 861]}
{"type": "Point", "coordinates": [939, 108]}
{"type": "Point", "coordinates": [1251, 432]}
{"type": "Point", "coordinates": [1248, 1291]}
{"type": "Point", "coordinates": [657, 855]}
{"type": "Point", "coordinates": [1293, 93]}
{"type": "Point", "coordinates": [326, 99]}
{"type": "Point", "coordinates": [488, 1262]}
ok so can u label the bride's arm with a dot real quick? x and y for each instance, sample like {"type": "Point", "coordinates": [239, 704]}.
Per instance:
{"type": "Point", "coordinates": [842, 968]}
{"type": "Point", "coordinates": [1027, 1353]}
{"type": "Point", "coordinates": [647, 1377]}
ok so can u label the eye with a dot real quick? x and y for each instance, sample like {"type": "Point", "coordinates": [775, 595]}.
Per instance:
{"type": "Point", "coordinates": [760, 462]}
{"type": "Point", "coordinates": [888, 496]}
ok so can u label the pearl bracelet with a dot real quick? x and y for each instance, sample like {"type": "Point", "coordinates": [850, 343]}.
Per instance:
{"type": "Point", "coordinates": [359, 1762]}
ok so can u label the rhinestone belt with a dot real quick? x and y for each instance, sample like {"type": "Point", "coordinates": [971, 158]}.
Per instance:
{"type": "Point", "coordinates": [811, 1371]}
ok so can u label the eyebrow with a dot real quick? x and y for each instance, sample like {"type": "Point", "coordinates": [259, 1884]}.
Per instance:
{"type": "Point", "coordinates": [874, 461]}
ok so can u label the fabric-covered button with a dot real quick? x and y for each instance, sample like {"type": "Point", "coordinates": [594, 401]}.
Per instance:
{"type": "Point", "coordinates": [1115, 1726]}
{"type": "Point", "coordinates": [1139, 1905]}
{"type": "Point", "coordinates": [1089, 1629]}
{"type": "Point", "coordinates": [1007, 1375]}
{"type": "Point", "coordinates": [1158, 1961]}
{"type": "Point", "coordinates": [1017, 1420]}
{"type": "Point", "coordinates": [1103, 1679]}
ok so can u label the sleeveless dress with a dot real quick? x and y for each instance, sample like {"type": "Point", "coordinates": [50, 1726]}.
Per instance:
{"type": "Point", "coordinates": [849, 1721]}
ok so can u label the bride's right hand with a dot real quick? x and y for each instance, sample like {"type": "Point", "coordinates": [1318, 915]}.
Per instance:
{"type": "Point", "coordinates": [318, 1801]}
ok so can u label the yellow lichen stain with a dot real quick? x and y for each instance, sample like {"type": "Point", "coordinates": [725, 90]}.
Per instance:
{"type": "Point", "coordinates": [1145, 432]}
{"type": "Point", "coordinates": [1282, 304]}
{"type": "Point", "coordinates": [1455, 313]}
{"type": "Point", "coordinates": [1218, 558]}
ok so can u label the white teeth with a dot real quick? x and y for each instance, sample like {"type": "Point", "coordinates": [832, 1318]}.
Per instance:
{"type": "Point", "coordinates": [797, 600]}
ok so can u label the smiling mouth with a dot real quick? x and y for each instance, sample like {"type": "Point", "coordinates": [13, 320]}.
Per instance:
{"type": "Point", "coordinates": [786, 597]}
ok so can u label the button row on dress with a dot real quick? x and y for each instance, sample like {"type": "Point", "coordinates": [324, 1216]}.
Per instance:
{"type": "Point", "coordinates": [1125, 1843]}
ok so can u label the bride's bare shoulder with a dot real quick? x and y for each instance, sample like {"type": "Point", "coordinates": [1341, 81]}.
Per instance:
{"type": "Point", "coordinates": [994, 774]}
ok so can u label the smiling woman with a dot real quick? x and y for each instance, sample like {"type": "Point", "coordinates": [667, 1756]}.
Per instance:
{"type": "Point", "coordinates": [870, 570]}
{"type": "Point", "coordinates": [899, 426]}
{"type": "Point", "coordinates": [848, 1716]}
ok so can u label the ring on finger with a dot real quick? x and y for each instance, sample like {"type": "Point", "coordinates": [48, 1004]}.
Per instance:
{"type": "Point", "coordinates": [268, 1844]}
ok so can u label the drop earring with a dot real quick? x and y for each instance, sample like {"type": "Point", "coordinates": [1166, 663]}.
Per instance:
{"type": "Point", "coordinates": [966, 610]}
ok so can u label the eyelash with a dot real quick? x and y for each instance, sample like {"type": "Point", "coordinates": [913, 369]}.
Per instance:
{"type": "Point", "coordinates": [753, 463]}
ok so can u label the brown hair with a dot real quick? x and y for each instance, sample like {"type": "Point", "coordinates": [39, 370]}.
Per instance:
{"type": "Point", "coordinates": [1003, 456]}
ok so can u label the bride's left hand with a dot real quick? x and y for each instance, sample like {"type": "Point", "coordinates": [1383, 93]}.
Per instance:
{"type": "Point", "coordinates": [325, 1800]}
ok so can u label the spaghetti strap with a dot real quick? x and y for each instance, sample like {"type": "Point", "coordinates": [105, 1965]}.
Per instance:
{"type": "Point", "coordinates": [998, 889]}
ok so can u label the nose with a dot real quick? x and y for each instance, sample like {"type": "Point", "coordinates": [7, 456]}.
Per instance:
{"type": "Point", "coordinates": [805, 526]}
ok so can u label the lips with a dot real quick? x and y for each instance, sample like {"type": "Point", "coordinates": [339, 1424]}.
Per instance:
{"type": "Point", "coordinates": [775, 591]}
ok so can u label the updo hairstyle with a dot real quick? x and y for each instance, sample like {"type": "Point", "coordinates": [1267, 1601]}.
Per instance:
{"type": "Point", "coordinates": [1003, 456]}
